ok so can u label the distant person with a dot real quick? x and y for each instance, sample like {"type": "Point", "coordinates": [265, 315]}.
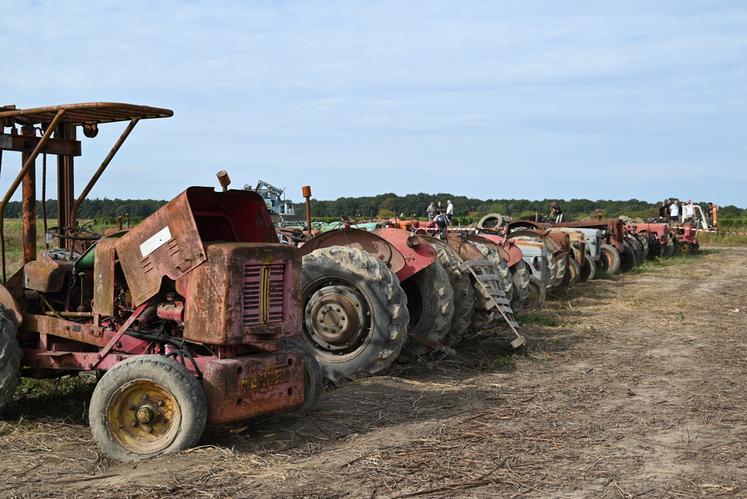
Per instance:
{"type": "Point", "coordinates": [688, 211]}
{"type": "Point", "coordinates": [674, 211]}
{"type": "Point", "coordinates": [556, 214]}
{"type": "Point", "coordinates": [663, 210]}
{"type": "Point", "coordinates": [431, 211]}
{"type": "Point", "coordinates": [449, 209]}
{"type": "Point", "coordinates": [442, 222]}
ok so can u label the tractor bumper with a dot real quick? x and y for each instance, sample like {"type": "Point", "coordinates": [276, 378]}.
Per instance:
{"type": "Point", "coordinates": [243, 387]}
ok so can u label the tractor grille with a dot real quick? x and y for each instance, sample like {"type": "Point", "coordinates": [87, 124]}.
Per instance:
{"type": "Point", "coordinates": [262, 298]}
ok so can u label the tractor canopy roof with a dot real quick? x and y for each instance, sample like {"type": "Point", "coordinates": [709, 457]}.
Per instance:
{"type": "Point", "coordinates": [83, 113]}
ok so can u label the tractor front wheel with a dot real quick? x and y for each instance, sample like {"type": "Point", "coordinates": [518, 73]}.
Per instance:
{"type": "Point", "coordinates": [627, 258]}
{"type": "Point", "coordinates": [355, 312]}
{"type": "Point", "coordinates": [536, 296]}
{"type": "Point", "coordinates": [610, 258]}
{"type": "Point", "coordinates": [10, 359]}
{"type": "Point", "coordinates": [589, 269]}
{"type": "Point", "coordinates": [145, 406]}
{"type": "Point", "coordinates": [520, 273]}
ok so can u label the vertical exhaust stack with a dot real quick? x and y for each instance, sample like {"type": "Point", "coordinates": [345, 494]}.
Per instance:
{"type": "Point", "coordinates": [306, 191]}
{"type": "Point", "coordinates": [224, 179]}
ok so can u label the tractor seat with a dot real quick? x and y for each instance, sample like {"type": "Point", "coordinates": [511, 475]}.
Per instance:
{"type": "Point", "coordinates": [86, 260]}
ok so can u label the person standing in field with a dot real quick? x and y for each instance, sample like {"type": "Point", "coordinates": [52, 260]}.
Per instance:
{"type": "Point", "coordinates": [688, 211]}
{"type": "Point", "coordinates": [556, 213]}
{"type": "Point", "coordinates": [431, 211]}
{"type": "Point", "coordinates": [663, 210]}
{"type": "Point", "coordinates": [449, 209]}
{"type": "Point", "coordinates": [674, 211]}
{"type": "Point", "coordinates": [442, 222]}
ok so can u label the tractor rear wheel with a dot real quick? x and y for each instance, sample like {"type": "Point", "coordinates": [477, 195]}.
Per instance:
{"type": "Point", "coordinates": [507, 282]}
{"type": "Point", "coordinates": [145, 406]}
{"type": "Point", "coordinates": [430, 301]}
{"type": "Point", "coordinates": [627, 258]}
{"type": "Point", "coordinates": [610, 259]}
{"type": "Point", "coordinates": [10, 359]}
{"type": "Point", "coordinates": [355, 312]}
{"type": "Point", "coordinates": [537, 293]}
{"type": "Point", "coordinates": [464, 293]}
{"type": "Point", "coordinates": [589, 269]}
{"type": "Point", "coordinates": [520, 274]}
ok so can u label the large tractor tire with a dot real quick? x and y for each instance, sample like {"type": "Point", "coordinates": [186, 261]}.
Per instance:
{"type": "Point", "coordinates": [355, 312]}
{"type": "Point", "coordinates": [430, 301]}
{"type": "Point", "coordinates": [627, 258]}
{"type": "Point", "coordinates": [610, 259]}
{"type": "Point", "coordinates": [507, 281]}
{"type": "Point", "coordinates": [464, 292]}
{"type": "Point", "coordinates": [552, 271]}
{"type": "Point", "coordinates": [589, 269]}
{"type": "Point", "coordinates": [643, 239]}
{"type": "Point", "coordinates": [10, 359]}
{"type": "Point", "coordinates": [537, 293]}
{"type": "Point", "coordinates": [145, 406]}
{"type": "Point", "coordinates": [491, 221]}
{"type": "Point", "coordinates": [574, 272]}
{"type": "Point", "coordinates": [520, 274]}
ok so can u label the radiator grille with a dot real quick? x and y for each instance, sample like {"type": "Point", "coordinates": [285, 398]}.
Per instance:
{"type": "Point", "coordinates": [262, 298]}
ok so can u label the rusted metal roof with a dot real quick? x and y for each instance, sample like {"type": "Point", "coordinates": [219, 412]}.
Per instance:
{"type": "Point", "coordinates": [87, 112]}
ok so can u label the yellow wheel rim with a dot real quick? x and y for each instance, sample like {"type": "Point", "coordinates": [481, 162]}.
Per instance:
{"type": "Point", "coordinates": [143, 417]}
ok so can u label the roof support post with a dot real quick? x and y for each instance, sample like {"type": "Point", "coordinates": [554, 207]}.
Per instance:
{"type": "Point", "coordinates": [100, 171]}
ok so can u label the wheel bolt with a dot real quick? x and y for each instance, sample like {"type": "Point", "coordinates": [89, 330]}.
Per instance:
{"type": "Point", "coordinates": [160, 403]}
{"type": "Point", "coordinates": [145, 397]}
{"type": "Point", "coordinates": [149, 429]}
{"type": "Point", "coordinates": [134, 424]}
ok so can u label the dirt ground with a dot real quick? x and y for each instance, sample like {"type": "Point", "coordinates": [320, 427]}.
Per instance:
{"type": "Point", "coordinates": [632, 386]}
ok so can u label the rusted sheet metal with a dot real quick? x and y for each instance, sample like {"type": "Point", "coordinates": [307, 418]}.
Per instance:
{"type": "Point", "coordinates": [245, 387]}
{"type": "Point", "coordinates": [243, 293]}
{"type": "Point", "coordinates": [166, 244]}
{"type": "Point", "coordinates": [103, 276]}
{"type": "Point", "coordinates": [170, 243]}
{"type": "Point", "coordinates": [45, 274]}
{"type": "Point", "coordinates": [75, 331]}
{"type": "Point", "coordinates": [23, 143]}
{"type": "Point", "coordinates": [360, 239]}
{"type": "Point", "coordinates": [417, 253]}
{"type": "Point", "coordinates": [483, 240]}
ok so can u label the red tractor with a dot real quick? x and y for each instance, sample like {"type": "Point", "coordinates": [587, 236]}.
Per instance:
{"type": "Point", "coordinates": [192, 315]}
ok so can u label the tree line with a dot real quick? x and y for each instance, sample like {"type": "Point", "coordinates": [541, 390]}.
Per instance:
{"type": "Point", "coordinates": [387, 205]}
{"type": "Point", "coordinates": [471, 209]}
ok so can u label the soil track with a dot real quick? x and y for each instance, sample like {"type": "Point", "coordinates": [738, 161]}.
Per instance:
{"type": "Point", "coordinates": [632, 386]}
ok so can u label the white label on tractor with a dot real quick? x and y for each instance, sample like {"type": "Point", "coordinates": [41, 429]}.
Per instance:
{"type": "Point", "coordinates": [155, 241]}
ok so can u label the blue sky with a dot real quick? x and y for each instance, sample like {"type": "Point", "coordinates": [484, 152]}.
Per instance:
{"type": "Point", "coordinates": [526, 99]}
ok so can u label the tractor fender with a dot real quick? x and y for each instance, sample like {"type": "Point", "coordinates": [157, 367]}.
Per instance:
{"type": "Point", "coordinates": [493, 244]}
{"type": "Point", "coordinates": [508, 249]}
{"type": "Point", "coordinates": [363, 240]}
{"type": "Point", "coordinates": [416, 251]}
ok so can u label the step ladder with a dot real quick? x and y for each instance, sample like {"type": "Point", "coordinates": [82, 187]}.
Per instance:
{"type": "Point", "coordinates": [489, 285]}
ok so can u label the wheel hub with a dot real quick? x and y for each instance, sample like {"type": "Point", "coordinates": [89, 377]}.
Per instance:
{"type": "Point", "coordinates": [143, 417]}
{"type": "Point", "coordinates": [336, 316]}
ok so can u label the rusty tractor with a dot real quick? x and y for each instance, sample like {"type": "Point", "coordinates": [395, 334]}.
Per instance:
{"type": "Point", "coordinates": [193, 316]}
